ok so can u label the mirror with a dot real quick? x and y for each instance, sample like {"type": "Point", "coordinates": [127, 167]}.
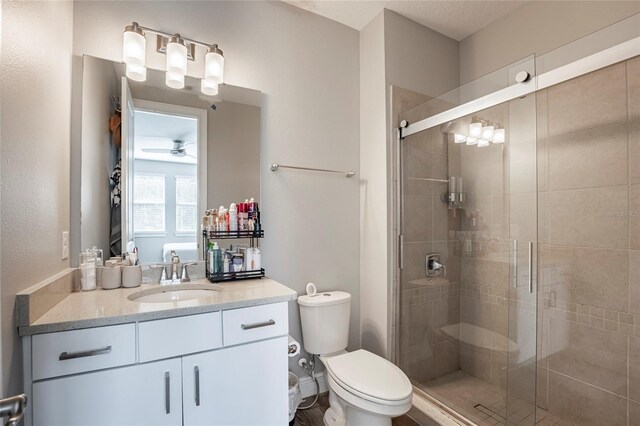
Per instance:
{"type": "Point", "coordinates": [153, 159]}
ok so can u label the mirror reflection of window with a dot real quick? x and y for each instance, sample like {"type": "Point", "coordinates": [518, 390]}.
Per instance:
{"type": "Point", "coordinates": [149, 203]}
{"type": "Point", "coordinates": [186, 205]}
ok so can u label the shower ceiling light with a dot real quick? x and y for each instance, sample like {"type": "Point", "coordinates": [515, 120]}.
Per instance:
{"type": "Point", "coordinates": [487, 132]}
{"type": "Point", "coordinates": [134, 45]}
{"type": "Point", "coordinates": [483, 143]}
{"type": "Point", "coordinates": [457, 138]}
{"type": "Point", "coordinates": [475, 129]}
{"type": "Point", "coordinates": [179, 51]}
{"type": "Point", "coordinates": [472, 141]}
{"type": "Point", "coordinates": [498, 136]}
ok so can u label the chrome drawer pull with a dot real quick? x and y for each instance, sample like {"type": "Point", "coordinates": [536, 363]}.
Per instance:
{"type": "Point", "coordinates": [197, 371]}
{"type": "Point", "coordinates": [91, 352]}
{"type": "Point", "coordinates": [167, 392]}
{"type": "Point", "coordinates": [257, 324]}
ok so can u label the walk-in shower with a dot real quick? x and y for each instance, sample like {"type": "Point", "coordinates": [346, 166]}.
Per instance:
{"type": "Point", "coordinates": [517, 296]}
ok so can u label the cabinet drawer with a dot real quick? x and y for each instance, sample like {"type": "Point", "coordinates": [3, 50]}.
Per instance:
{"type": "Point", "coordinates": [171, 337]}
{"type": "Point", "coordinates": [255, 323]}
{"type": "Point", "coordinates": [69, 352]}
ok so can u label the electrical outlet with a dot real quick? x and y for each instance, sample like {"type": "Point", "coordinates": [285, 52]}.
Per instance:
{"type": "Point", "coordinates": [65, 245]}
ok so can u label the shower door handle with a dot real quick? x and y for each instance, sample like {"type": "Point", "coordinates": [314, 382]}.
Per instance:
{"type": "Point", "coordinates": [515, 263]}
{"type": "Point", "coordinates": [530, 268]}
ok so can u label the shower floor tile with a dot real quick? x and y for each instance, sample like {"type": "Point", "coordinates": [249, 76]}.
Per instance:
{"type": "Point", "coordinates": [484, 403]}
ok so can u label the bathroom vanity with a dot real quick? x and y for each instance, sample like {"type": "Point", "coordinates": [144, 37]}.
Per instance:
{"type": "Point", "coordinates": [219, 359]}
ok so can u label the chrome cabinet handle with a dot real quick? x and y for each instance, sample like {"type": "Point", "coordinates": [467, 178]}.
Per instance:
{"type": "Point", "coordinates": [81, 354]}
{"type": "Point", "coordinates": [197, 373]}
{"type": "Point", "coordinates": [257, 325]}
{"type": "Point", "coordinates": [167, 392]}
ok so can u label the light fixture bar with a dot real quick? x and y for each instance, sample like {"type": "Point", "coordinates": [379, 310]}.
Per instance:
{"type": "Point", "coordinates": [168, 35]}
{"type": "Point", "coordinates": [162, 41]}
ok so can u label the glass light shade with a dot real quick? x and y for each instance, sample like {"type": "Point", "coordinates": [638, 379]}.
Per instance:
{"type": "Point", "coordinates": [133, 48]}
{"type": "Point", "coordinates": [472, 141]}
{"type": "Point", "coordinates": [475, 130]}
{"type": "Point", "coordinates": [176, 58]}
{"type": "Point", "coordinates": [175, 81]}
{"type": "Point", "coordinates": [483, 143]}
{"type": "Point", "coordinates": [208, 88]}
{"type": "Point", "coordinates": [487, 132]}
{"type": "Point", "coordinates": [457, 138]}
{"type": "Point", "coordinates": [136, 73]}
{"type": "Point", "coordinates": [498, 136]}
{"type": "Point", "coordinates": [214, 67]}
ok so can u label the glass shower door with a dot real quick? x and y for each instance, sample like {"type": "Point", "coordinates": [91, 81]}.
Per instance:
{"type": "Point", "coordinates": [467, 293]}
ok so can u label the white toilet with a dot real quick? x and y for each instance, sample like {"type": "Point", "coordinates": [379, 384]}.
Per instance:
{"type": "Point", "coordinates": [364, 389]}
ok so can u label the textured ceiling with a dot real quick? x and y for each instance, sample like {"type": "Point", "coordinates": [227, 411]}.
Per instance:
{"type": "Point", "coordinates": [453, 18]}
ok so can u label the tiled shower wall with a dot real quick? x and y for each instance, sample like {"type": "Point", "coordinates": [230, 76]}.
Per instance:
{"type": "Point", "coordinates": [589, 253]}
{"type": "Point", "coordinates": [428, 349]}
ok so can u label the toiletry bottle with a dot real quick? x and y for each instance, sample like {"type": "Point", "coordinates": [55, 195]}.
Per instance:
{"type": "Point", "coordinates": [217, 258]}
{"type": "Point", "coordinates": [233, 217]}
{"type": "Point", "coordinates": [226, 262]}
{"type": "Point", "coordinates": [210, 260]}
{"type": "Point", "coordinates": [253, 209]}
{"type": "Point", "coordinates": [248, 259]}
{"type": "Point", "coordinates": [257, 259]}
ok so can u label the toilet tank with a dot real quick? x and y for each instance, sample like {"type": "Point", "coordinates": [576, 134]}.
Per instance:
{"type": "Point", "coordinates": [325, 321]}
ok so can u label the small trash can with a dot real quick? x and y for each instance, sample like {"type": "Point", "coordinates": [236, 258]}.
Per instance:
{"type": "Point", "coordinates": [295, 397]}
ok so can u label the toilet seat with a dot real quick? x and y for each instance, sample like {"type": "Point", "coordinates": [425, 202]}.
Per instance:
{"type": "Point", "coordinates": [370, 377]}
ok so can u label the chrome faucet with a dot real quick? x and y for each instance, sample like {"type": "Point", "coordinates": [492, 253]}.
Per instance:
{"type": "Point", "coordinates": [175, 264]}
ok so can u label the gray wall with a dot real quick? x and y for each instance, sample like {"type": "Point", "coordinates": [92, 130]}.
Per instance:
{"type": "Point", "coordinates": [536, 28]}
{"type": "Point", "coordinates": [309, 117]}
{"type": "Point", "coordinates": [151, 246]}
{"type": "Point", "coordinates": [393, 51]}
{"type": "Point", "coordinates": [99, 84]}
{"type": "Point", "coordinates": [35, 82]}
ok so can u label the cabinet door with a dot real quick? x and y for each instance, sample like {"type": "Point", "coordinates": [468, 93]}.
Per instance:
{"type": "Point", "coordinates": [241, 385]}
{"type": "Point", "coordinates": [144, 394]}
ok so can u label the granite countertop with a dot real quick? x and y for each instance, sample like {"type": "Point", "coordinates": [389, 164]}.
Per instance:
{"type": "Point", "coordinates": [108, 307]}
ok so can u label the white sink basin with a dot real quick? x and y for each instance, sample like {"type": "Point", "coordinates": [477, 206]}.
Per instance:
{"type": "Point", "coordinates": [175, 293]}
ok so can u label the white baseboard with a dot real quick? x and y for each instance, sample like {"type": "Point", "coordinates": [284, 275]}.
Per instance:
{"type": "Point", "coordinates": [308, 386]}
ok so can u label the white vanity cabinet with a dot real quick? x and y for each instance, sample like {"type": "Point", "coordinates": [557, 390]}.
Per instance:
{"type": "Point", "coordinates": [188, 370]}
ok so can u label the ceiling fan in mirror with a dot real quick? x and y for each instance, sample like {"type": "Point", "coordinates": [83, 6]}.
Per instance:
{"type": "Point", "coordinates": [178, 149]}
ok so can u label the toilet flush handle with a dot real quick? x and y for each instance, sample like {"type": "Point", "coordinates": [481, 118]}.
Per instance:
{"type": "Point", "coordinates": [311, 289]}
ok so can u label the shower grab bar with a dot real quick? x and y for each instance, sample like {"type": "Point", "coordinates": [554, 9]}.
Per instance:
{"type": "Point", "coordinates": [530, 271]}
{"type": "Point", "coordinates": [276, 166]}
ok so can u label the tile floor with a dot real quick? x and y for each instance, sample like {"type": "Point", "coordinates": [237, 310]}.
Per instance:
{"type": "Point", "coordinates": [484, 403]}
{"type": "Point", "coordinates": [314, 415]}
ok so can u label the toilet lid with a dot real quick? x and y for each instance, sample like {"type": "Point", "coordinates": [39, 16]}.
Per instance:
{"type": "Point", "coordinates": [369, 376]}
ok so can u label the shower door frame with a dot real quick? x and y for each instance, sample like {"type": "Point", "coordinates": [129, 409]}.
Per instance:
{"type": "Point", "coordinates": [593, 62]}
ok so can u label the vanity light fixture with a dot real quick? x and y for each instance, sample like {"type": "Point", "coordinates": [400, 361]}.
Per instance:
{"type": "Point", "coordinates": [487, 132]}
{"type": "Point", "coordinates": [175, 81]}
{"type": "Point", "coordinates": [457, 138]}
{"type": "Point", "coordinates": [214, 65]}
{"type": "Point", "coordinates": [176, 56]}
{"type": "Point", "coordinates": [134, 45]}
{"type": "Point", "coordinates": [475, 128]}
{"type": "Point", "coordinates": [179, 51]}
{"type": "Point", "coordinates": [498, 136]}
{"type": "Point", "coordinates": [210, 89]}
{"type": "Point", "coordinates": [136, 73]}
{"type": "Point", "coordinates": [472, 141]}
{"type": "Point", "coordinates": [482, 143]}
